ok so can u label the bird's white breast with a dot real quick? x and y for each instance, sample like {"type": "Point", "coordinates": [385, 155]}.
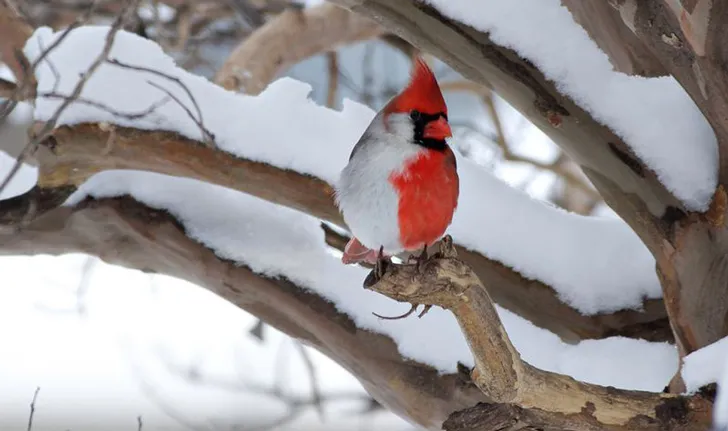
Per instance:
{"type": "Point", "coordinates": [366, 198]}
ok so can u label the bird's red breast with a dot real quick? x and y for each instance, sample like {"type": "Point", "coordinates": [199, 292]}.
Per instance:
{"type": "Point", "coordinates": [428, 189]}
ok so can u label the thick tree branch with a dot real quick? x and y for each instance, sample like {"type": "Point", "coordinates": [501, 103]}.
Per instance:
{"type": "Point", "coordinates": [292, 36]}
{"type": "Point", "coordinates": [504, 377]}
{"type": "Point", "coordinates": [124, 232]}
{"type": "Point", "coordinates": [626, 51]}
{"type": "Point", "coordinates": [73, 154]}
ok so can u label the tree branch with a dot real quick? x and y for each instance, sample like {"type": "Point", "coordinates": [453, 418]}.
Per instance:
{"type": "Point", "coordinates": [290, 37]}
{"type": "Point", "coordinates": [124, 232]}
{"type": "Point", "coordinates": [626, 51]}
{"type": "Point", "coordinates": [504, 377]}
{"type": "Point", "coordinates": [14, 31]}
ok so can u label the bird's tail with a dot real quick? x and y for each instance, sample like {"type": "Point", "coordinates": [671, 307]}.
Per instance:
{"type": "Point", "coordinates": [356, 252]}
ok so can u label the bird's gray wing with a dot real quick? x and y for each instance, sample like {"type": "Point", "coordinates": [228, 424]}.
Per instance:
{"type": "Point", "coordinates": [359, 144]}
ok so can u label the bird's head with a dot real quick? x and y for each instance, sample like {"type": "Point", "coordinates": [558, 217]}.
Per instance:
{"type": "Point", "coordinates": [419, 109]}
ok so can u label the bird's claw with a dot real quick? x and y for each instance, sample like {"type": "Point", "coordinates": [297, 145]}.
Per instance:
{"type": "Point", "coordinates": [380, 268]}
{"type": "Point", "coordinates": [419, 260]}
{"type": "Point", "coordinates": [410, 311]}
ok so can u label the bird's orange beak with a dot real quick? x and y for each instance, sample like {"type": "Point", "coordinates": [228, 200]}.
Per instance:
{"type": "Point", "coordinates": [438, 129]}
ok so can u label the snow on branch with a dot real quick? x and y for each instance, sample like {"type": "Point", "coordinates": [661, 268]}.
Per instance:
{"type": "Point", "coordinates": [573, 254]}
{"type": "Point", "coordinates": [654, 116]}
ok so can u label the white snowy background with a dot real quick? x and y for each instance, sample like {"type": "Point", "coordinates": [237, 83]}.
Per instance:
{"type": "Point", "coordinates": [108, 345]}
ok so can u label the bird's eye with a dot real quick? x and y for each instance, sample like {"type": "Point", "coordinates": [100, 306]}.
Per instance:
{"type": "Point", "coordinates": [415, 115]}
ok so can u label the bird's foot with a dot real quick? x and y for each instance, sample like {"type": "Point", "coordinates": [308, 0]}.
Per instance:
{"type": "Point", "coordinates": [420, 260]}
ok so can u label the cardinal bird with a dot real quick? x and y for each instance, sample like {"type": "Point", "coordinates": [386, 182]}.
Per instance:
{"type": "Point", "coordinates": [400, 188]}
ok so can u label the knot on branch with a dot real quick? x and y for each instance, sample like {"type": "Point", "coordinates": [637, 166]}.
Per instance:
{"type": "Point", "coordinates": [439, 280]}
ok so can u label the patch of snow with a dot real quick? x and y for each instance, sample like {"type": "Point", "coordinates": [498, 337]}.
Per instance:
{"type": "Point", "coordinates": [310, 3]}
{"type": "Point", "coordinates": [6, 73]}
{"type": "Point", "coordinates": [654, 116]}
{"type": "Point", "coordinates": [706, 365]}
{"type": "Point", "coordinates": [575, 255]}
{"type": "Point", "coordinates": [164, 12]}
{"type": "Point", "coordinates": [720, 409]}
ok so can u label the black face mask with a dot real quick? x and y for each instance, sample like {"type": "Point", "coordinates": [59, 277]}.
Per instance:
{"type": "Point", "coordinates": [421, 120]}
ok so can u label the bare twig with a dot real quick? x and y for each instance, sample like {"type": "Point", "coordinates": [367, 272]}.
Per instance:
{"type": "Point", "coordinates": [207, 136]}
{"type": "Point", "coordinates": [32, 409]}
{"type": "Point", "coordinates": [558, 169]}
{"type": "Point", "coordinates": [315, 390]}
{"type": "Point", "coordinates": [332, 59]}
{"type": "Point", "coordinates": [106, 108]}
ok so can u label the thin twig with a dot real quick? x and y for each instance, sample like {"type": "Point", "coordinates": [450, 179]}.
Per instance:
{"type": "Point", "coordinates": [332, 59]}
{"type": "Point", "coordinates": [315, 389]}
{"type": "Point", "coordinates": [32, 409]}
{"type": "Point", "coordinates": [572, 178]}
{"type": "Point", "coordinates": [208, 137]}
{"type": "Point", "coordinates": [106, 108]}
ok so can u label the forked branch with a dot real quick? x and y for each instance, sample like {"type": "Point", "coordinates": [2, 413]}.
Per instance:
{"type": "Point", "coordinates": [507, 380]}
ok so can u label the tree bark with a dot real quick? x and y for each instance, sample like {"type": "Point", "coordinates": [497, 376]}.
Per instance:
{"type": "Point", "coordinates": [688, 38]}
{"type": "Point", "coordinates": [605, 27]}
{"type": "Point", "coordinates": [290, 37]}
{"type": "Point", "coordinates": [519, 393]}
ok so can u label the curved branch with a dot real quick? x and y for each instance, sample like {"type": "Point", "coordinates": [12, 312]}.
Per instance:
{"type": "Point", "coordinates": [288, 38]}
{"type": "Point", "coordinates": [124, 232]}
{"type": "Point", "coordinates": [445, 281]}
{"type": "Point", "coordinates": [75, 153]}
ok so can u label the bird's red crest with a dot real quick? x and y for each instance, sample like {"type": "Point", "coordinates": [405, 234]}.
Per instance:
{"type": "Point", "coordinates": [422, 93]}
